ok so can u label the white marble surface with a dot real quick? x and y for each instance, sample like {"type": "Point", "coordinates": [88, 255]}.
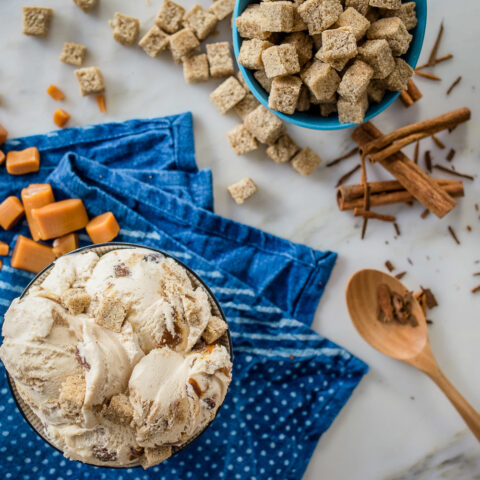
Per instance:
{"type": "Point", "coordinates": [397, 425]}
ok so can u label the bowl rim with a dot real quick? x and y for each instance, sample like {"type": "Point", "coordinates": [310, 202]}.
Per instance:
{"type": "Point", "coordinates": [316, 124]}
{"type": "Point", "coordinates": [125, 245]}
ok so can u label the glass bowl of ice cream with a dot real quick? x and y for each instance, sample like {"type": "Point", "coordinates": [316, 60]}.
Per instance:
{"type": "Point", "coordinates": [117, 355]}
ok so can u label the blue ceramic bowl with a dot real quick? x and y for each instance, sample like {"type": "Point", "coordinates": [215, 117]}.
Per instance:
{"type": "Point", "coordinates": [315, 120]}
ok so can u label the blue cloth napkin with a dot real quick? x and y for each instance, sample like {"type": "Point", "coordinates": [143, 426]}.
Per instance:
{"type": "Point", "coordinates": [289, 382]}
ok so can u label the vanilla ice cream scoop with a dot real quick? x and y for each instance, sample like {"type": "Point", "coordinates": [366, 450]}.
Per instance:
{"type": "Point", "coordinates": [118, 356]}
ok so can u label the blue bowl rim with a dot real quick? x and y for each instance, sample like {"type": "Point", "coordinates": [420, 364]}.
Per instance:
{"type": "Point", "coordinates": [321, 123]}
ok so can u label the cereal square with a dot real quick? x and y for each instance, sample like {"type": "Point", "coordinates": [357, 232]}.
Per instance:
{"type": "Point", "coordinates": [215, 328]}
{"type": "Point", "coordinates": [36, 20]}
{"type": "Point", "coordinates": [90, 80]}
{"type": "Point", "coordinates": [120, 409]}
{"type": "Point", "coordinates": [306, 161]}
{"type": "Point", "coordinates": [303, 103]}
{"type": "Point", "coordinates": [406, 13]}
{"type": "Point", "coordinates": [393, 31]}
{"type": "Point", "coordinates": [251, 23]}
{"type": "Point", "coordinates": [389, 4]}
{"type": "Point", "coordinates": [201, 21]}
{"type": "Point", "coordinates": [86, 5]}
{"type": "Point", "coordinates": [338, 47]}
{"type": "Point", "coordinates": [284, 94]}
{"type": "Point", "coordinates": [400, 76]}
{"type": "Point", "coordinates": [154, 41]}
{"type": "Point", "coordinates": [110, 313]}
{"type": "Point", "coordinates": [373, 14]}
{"type": "Point", "coordinates": [303, 44]}
{"type": "Point", "coordinates": [298, 24]}
{"type": "Point", "coordinates": [264, 125]}
{"type": "Point", "coordinates": [222, 8]}
{"type": "Point", "coordinates": [245, 106]}
{"type": "Point", "coordinates": [125, 29]}
{"type": "Point", "coordinates": [169, 17]}
{"type": "Point", "coordinates": [352, 112]}
{"type": "Point", "coordinates": [220, 59]}
{"type": "Point", "coordinates": [355, 81]}
{"type": "Point", "coordinates": [280, 60]}
{"type": "Point", "coordinates": [283, 149]}
{"type": "Point", "coordinates": [356, 21]}
{"type": "Point", "coordinates": [195, 68]}
{"type": "Point", "coordinates": [263, 80]}
{"type": "Point", "coordinates": [227, 95]}
{"type": "Point", "coordinates": [376, 91]}
{"type": "Point", "coordinates": [378, 55]}
{"type": "Point", "coordinates": [242, 190]}
{"type": "Point", "coordinates": [241, 140]}
{"type": "Point", "coordinates": [154, 456]}
{"type": "Point", "coordinates": [321, 79]}
{"type": "Point", "coordinates": [250, 55]}
{"type": "Point", "coordinates": [72, 396]}
{"type": "Point", "coordinates": [73, 53]}
{"type": "Point", "coordinates": [277, 16]}
{"type": "Point", "coordinates": [76, 300]}
{"type": "Point", "coordinates": [361, 6]}
{"type": "Point", "coordinates": [182, 44]}
{"type": "Point", "coordinates": [320, 14]}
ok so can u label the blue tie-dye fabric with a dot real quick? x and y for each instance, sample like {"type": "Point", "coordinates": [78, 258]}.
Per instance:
{"type": "Point", "coordinates": [289, 382]}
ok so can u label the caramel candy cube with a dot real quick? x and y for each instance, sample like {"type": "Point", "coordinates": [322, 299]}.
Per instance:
{"type": "Point", "coordinates": [61, 117]}
{"type": "Point", "coordinates": [103, 229]}
{"type": "Point", "coordinates": [59, 218]}
{"type": "Point", "coordinates": [11, 211]}
{"type": "Point", "coordinates": [2, 157]}
{"type": "Point", "coordinates": [4, 248]}
{"type": "Point", "coordinates": [23, 161]}
{"type": "Point", "coordinates": [31, 256]}
{"type": "Point", "coordinates": [3, 134]}
{"type": "Point", "coordinates": [36, 195]}
{"type": "Point", "coordinates": [65, 244]}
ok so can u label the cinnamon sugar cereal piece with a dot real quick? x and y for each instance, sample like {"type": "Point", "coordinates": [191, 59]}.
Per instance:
{"type": "Point", "coordinates": [376, 90]}
{"type": "Point", "coordinates": [263, 80]}
{"type": "Point", "coordinates": [283, 149]}
{"type": "Point", "coordinates": [355, 20]}
{"type": "Point", "coordinates": [220, 59]}
{"type": "Point", "coordinates": [36, 20]}
{"type": "Point", "coordinates": [372, 15]}
{"type": "Point", "coordinates": [242, 190]}
{"type": "Point", "coordinates": [361, 6]}
{"type": "Point", "coordinates": [245, 106]}
{"type": "Point", "coordinates": [378, 55]}
{"type": "Point", "coordinates": [264, 125]}
{"type": "Point", "coordinates": [215, 328]}
{"type": "Point", "coordinates": [119, 409]}
{"type": "Point", "coordinates": [73, 53]}
{"type": "Point", "coordinates": [321, 79]}
{"type": "Point", "coordinates": [250, 55]}
{"type": "Point", "coordinates": [278, 16]}
{"type": "Point", "coordinates": [280, 60]}
{"type": "Point", "coordinates": [125, 29]}
{"type": "Point", "coordinates": [298, 24]}
{"type": "Point", "coordinates": [303, 103]}
{"type": "Point", "coordinates": [86, 5]}
{"type": "Point", "coordinates": [338, 47]}
{"type": "Point", "coordinates": [227, 95]}
{"type": "Point", "coordinates": [306, 161]}
{"type": "Point", "coordinates": [201, 21]}
{"type": "Point", "coordinates": [284, 94]}
{"type": "Point", "coordinates": [327, 109]}
{"type": "Point", "coordinates": [406, 13]}
{"type": "Point", "coordinates": [154, 456]}
{"type": "Point", "coordinates": [169, 17]}
{"type": "Point", "coordinates": [393, 31]}
{"type": "Point", "coordinates": [389, 4]}
{"type": "Point", "coordinates": [183, 44]}
{"type": "Point", "coordinates": [195, 68]}
{"type": "Point", "coordinates": [251, 23]}
{"type": "Point", "coordinates": [241, 140]}
{"type": "Point", "coordinates": [72, 396]}
{"type": "Point", "coordinates": [400, 76]}
{"type": "Point", "coordinates": [90, 80]}
{"type": "Point", "coordinates": [352, 112]}
{"type": "Point", "coordinates": [222, 8]}
{"type": "Point", "coordinates": [320, 14]}
{"type": "Point", "coordinates": [303, 44]}
{"type": "Point", "coordinates": [76, 300]}
{"type": "Point", "coordinates": [154, 41]}
{"type": "Point", "coordinates": [355, 81]}
{"type": "Point", "coordinates": [110, 313]}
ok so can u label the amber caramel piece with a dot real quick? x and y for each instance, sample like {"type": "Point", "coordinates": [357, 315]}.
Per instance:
{"type": "Point", "coordinates": [11, 211]}
{"type": "Point", "coordinates": [61, 117]}
{"type": "Point", "coordinates": [23, 161]}
{"type": "Point", "coordinates": [3, 134]}
{"type": "Point", "coordinates": [55, 92]}
{"type": "Point", "coordinates": [103, 228]}
{"type": "Point", "coordinates": [36, 195]}
{"type": "Point", "coordinates": [2, 157]}
{"type": "Point", "coordinates": [4, 248]}
{"type": "Point", "coordinates": [102, 104]}
{"type": "Point", "coordinates": [31, 256]}
{"type": "Point", "coordinates": [59, 218]}
{"type": "Point", "coordinates": [65, 244]}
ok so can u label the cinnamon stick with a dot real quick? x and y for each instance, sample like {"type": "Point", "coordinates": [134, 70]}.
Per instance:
{"type": "Point", "coordinates": [438, 142]}
{"type": "Point", "coordinates": [413, 91]}
{"type": "Point", "coordinates": [430, 76]}
{"type": "Point", "coordinates": [360, 212]}
{"type": "Point", "coordinates": [453, 85]}
{"type": "Point", "coordinates": [347, 175]}
{"type": "Point", "coordinates": [387, 193]}
{"type": "Point", "coordinates": [453, 172]}
{"type": "Point", "coordinates": [412, 178]}
{"type": "Point", "coordinates": [433, 54]}
{"type": "Point", "coordinates": [406, 99]}
{"type": "Point", "coordinates": [438, 60]}
{"type": "Point", "coordinates": [343, 157]}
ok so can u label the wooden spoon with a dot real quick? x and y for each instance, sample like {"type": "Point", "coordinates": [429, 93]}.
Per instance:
{"type": "Point", "coordinates": [403, 342]}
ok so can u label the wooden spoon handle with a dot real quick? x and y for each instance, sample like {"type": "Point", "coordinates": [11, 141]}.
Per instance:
{"type": "Point", "coordinates": [471, 416]}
